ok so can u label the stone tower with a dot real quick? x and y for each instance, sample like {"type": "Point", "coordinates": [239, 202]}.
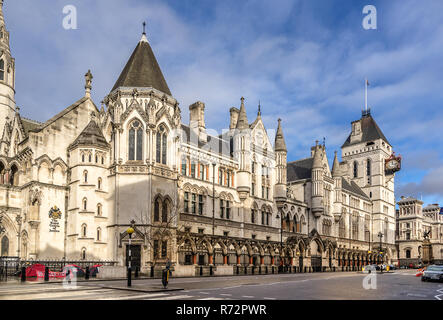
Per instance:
{"type": "Point", "coordinates": [281, 156]}
{"type": "Point", "coordinates": [242, 142]}
{"type": "Point", "coordinates": [365, 152]}
{"type": "Point", "coordinates": [338, 188]}
{"type": "Point", "coordinates": [317, 182]}
{"type": "Point", "coordinates": [7, 75]}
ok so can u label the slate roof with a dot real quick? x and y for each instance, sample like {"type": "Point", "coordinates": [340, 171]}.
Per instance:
{"type": "Point", "coordinates": [91, 135]}
{"type": "Point", "coordinates": [371, 131]}
{"type": "Point", "coordinates": [298, 170]}
{"type": "Point", "coordinates": [220, 144]}
{"type": "Point", "coordinates": [408, 199]}
{"type": "Point", "coordinates": [30, 125]}
{"type": "Point", "coordinates": [142, 70]}
{"type": "Point", "coordinates": [354, 188]}
{"type": "Point", "coordinates": [431, 207]}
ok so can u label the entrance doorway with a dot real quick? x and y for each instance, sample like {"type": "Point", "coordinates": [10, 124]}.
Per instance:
{"type": "Point", "coordinates": [135, 256]}
{"type": "Point", "coordinates": [316, 263]}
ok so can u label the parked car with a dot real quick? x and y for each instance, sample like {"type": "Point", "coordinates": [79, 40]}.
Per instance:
{"type": "Point", "coordinates": [392, 267]}
{"type": "Point", "coordinates": [433, 272]}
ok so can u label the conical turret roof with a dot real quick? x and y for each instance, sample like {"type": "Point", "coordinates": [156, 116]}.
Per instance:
{"type": "Point", "coordinates": [142, 70]}
{"type": "Point", "coordinates": [91, 136]}
{"type": "Point", "coordinates": [280, 144]}
{"type": "Point", "coordinates": [336, 166]}
{"type": "Point", "coordinates": [242, 122]}
{"type": "Point", "coordinates": [317, 157]}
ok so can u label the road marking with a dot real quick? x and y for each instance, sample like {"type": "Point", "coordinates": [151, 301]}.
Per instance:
{"type": "Point", "coordinates": [226, 294]}
{"type": "Point", "coordinates": [248, 297]}
{"type": "Point", "coordinates": [204, 292]}
{"type": "Point", "coordinates": [417, 295]}
{"type": "Point", "coordinates": [173, 298]}
{"type": "Point", "coordinates": [211, 299]}
{"type": "Point", "coordinates": [55, 295]}
{"type": "Point", "coordinates": [136, 297]}
{"type": "Point", "coordinates": [269, 298]}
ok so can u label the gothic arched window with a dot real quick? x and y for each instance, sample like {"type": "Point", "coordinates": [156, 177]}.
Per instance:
{"type": "Point", "coordinates": [355, 169]}
{"type": "Point", "coordinates": [136, 141]}
{"type": "Point", "coordinates": [85, 204]}
{"type": "Point", "coordinates": [5, 246]}
{"type": "Point", "coordinates": [2, 69]}
{"type": "Point", "coordinates": [162, 145]}
{"type": "Point", "coordinates": [157, 206]}
{"type": "Point", "coordinates": [84, 254]}
{"type": "Point", "coordinates": [369, 171]}
{"type": "Point", "coordinates": [13, 178]}
{"type": "Point", "coordinates": [84, 230]}
{"type": "Point", "coordinates": [165, 211]}
{"type": "Point", "coordinates": [342, 228]}
{"type": "Point", "coordinates": [85, 176]}
{"type": "Point", "coordinates": [99, 234]}
{"type": "Point", "coordinates": [99, 210]}
{"type": "Point", "coordinates": [99, 184]}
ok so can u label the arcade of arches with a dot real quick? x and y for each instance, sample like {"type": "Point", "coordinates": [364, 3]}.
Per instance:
{"type": "Point", "coordinates": [299, 254]}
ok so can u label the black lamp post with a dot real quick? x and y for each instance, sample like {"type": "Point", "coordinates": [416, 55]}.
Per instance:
{"type": "Point", "coordinates": [130, 231]}
{"type": "Point", "coordinates": [213, 198]}
{"type": "Point", "coordinates": [380, 235]}
{"type": "Point", "coordinates": [280, 215]}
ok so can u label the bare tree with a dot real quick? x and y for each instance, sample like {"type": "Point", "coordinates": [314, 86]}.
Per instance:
{"type": "Point", "coordinates": [165, 229]}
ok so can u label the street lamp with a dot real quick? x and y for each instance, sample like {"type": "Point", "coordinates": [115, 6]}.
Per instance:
{"type": "Point", "coordinates": [380, 235]}
{"type": "Point", "coordinates": [213, 198]}
{"type": "Point", "coordinates": [130, 231]}
{"type": "Point", "coordinates": [280, 215]}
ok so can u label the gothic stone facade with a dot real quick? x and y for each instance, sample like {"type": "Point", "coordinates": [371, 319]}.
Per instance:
{"type": "Point", "coordinates": [414, 224]}
{"type": "Point", "coordinates": [71, 186]}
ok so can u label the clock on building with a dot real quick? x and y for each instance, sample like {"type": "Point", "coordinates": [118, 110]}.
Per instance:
{"type": "Point", "coordinates": [392, 164]}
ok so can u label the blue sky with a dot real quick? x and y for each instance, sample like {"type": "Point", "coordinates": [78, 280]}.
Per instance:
{"type": "Point", "coordinates": [306, 62]}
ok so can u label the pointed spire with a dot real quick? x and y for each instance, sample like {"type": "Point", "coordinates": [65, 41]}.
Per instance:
{"type": "Point", "coordinates": [317, 157]}
{"type": "Point", "coordinates": [280, 144]}
{"type": "Point", "coordinates": [144, 37]}
{"type": "Point", "coordinates": [259, 109]}
{"type": "Point", "coordinates": [336, 166]}
{"type": "Point", "coordinates": [88, 84]}
{"type": "Point", "coordinates": [242, 122]}
{"type": "Point", "coordinates": [2, 19]}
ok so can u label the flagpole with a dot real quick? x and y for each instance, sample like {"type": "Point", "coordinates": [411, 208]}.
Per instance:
{"type": "Point", "coordinates": [366, 95]}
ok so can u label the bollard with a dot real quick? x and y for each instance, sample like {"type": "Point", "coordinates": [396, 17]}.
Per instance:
{"type": "Point", "coordinates": [136, 272]}
{"type": "Point", "coordinates": [152, 271]}
{"type": "Point", "coordinates": [23, 275]}
{"type": "Point", "coordinates": [210, 270]}
{"type": "Point", "coordinates": [87, 273]}
{"type": "Point", "coordinates": [46, 273]}
{"type": "Point", "coordinates": [246, 270]}
{"type": "Point", "coordinates": [201, 271]}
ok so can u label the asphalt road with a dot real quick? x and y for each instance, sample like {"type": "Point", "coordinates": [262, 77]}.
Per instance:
{"type": "Point", "coordinates": [399, 285]}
